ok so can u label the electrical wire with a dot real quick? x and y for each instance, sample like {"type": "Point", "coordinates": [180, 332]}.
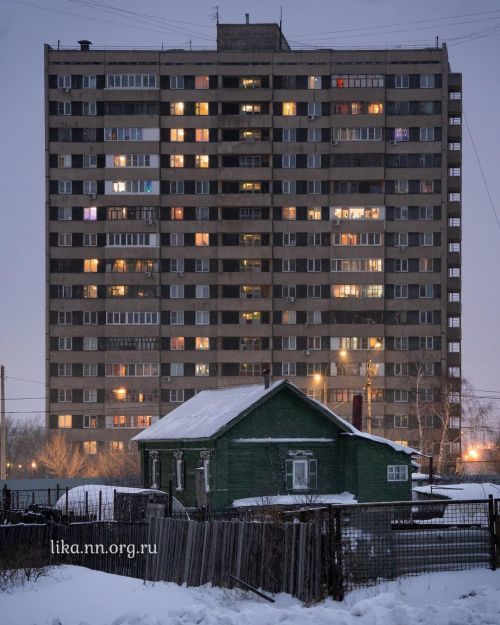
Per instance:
{"type": "Point", "coordinates": [478, 160]}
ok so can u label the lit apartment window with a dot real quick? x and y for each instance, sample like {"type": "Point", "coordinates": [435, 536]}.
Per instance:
{"type": "Point", "coordinates": [201, 108]}
{"type": "Point", "coordinates": [89, 421]}
{"type": "Point", "coordinates": [177, 160]}
{"type": "Point", "coordinates": [289, 108]}
{"type": "Point", "coordinates": [177, 134]}
{"type": "Point", "coordinates": [176, 108]}
{"type": "Point", "coordinates": [314, 82]}
{"type": "Point", "coordinates": [201, 369]}
{"type": "Point", "coordinates": [90, 291]}
{"type": "Point", "coordinates": [90, 265]}
{"type": "Point", "coordinates": [375, 108]}
{"type": "Point", "coordinates": [90, 213]}
{"type": "Point", "coordinates": [401, 134]}
{"type": "Point", "coordinates": [250, 83]}
{"type": "Point", "coordinates": [202, 343]}
{"type": "Point", "coordinates": [90, 447]}
{"type": "Point", "coordinates": [201, 161]}
{"type": "Point", "coordinates": [201, 82]}
{"type": "Point", "coordinates": [289, 213]}
{"type": "Point", "coordinates": [250, 187]}
{"type": "Point", "coordinates": [202, 135]}
{"type": "Point", "coordinates": [250, 317]}
{"type": "Point", "coordinates": [289, 317]}
{"type": "Point", "coordinates": [201, 239]}
{"type": "Point", "coordinates": [177, 213]}
{"type": "Point", "coordinates": [314, 213]}
{"type": "Point", "coordinates": [250, 109]}
{"type": "Point", "coordinates": [64, 421]}
{"type": "Point", "coordinates": [177, 343]}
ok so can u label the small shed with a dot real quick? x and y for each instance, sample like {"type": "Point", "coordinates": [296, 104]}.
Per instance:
{"type": "Point", "coordinates": [266, 441]}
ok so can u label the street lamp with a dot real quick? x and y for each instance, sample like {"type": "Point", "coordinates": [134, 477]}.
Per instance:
{"type": "Point", "coordinates": [368, 385]}
{"type": "Point", "coordinates": [318, 378]}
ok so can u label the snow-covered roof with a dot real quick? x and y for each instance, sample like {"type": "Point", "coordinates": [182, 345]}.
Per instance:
{"type": "Point", "coordinates": [209, 412]}
{"type": "Point", "coordinates": [466, 490]}
{"type": "Point", "coordinates": [289, 500]}
{"type": "Point", "coordinates": [206, 413]}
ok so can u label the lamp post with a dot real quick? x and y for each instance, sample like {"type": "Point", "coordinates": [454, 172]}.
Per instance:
{"type": "Point", "coordinates": [318, 377]}
{"type": "Point", "coordinates": [368, 385]}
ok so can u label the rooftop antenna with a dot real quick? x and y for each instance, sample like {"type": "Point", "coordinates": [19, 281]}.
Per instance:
{"type": "Point", "coordinates": [281, 23]}
{"type": "Point", "coordinates": [437, 41]}
{"type": "Point", "coordinates": [215, 15]}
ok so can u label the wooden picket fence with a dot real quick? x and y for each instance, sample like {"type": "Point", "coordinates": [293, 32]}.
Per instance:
{"type": "Point", "coordinates": [296, 558]}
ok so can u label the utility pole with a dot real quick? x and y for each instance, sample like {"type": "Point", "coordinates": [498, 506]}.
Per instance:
{"type": "Point", "coordinates": [3, 434]}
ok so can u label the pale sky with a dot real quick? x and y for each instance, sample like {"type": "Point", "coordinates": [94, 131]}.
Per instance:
{"type": "Point", "coordinates": [472, 31]}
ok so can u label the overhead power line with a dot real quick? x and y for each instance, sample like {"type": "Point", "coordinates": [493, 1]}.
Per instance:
{"type": "Point", "coordinates": [485, 182]}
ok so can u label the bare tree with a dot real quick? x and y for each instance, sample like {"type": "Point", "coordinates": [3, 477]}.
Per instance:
{"type": "Point", "coordinates": [25, 438]}
{"type": "Point", "coordinates": [60, 458]}
{"type": "Point", "coordinates": [123, 463]}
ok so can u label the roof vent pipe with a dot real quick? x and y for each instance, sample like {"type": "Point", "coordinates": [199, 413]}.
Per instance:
{"type": "Point", "coordinates": [247, 18]}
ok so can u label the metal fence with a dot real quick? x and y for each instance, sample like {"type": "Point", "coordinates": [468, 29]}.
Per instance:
{"type": "Point", "coordinates": [308, 552]}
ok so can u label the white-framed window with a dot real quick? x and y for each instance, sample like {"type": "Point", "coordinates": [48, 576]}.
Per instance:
{"type": "Point", "coordinates": [176, 369]}
{"type": "Point", "coordinates": [289, 317]}
{"type": "Point", "coordinates": [314, 135]}
{"type": "Point", "coordinates": [89, 108]}
{"type": "Point", "coordinates": [401, 343]}
{"type": "Point", "coordinates": [202, 291]}
{"type": "Point", "coordinates": [89, 343]}
{"type": "Point", "coordinates": [177, 396]}
{"type": "Point", "coordinates": [64, 239]}
{"type": "Point", "coordinates": [90, 213]}
{"type": "Point", "coordinates": [89, 187]}
{"type": "Point", "coordinates": [301, 472]}
{"type": "Point", "coordinates": [314, 82]}
{"type": "Point", "coordinates": [90, 161]}
{"type": "Point", "coordinates": [202, 265]}
{"type": "Point", "coordinates": [401, 421]}
{"type": "Point", "coordinates": [313, 317]}
{"type": "Point", "coordinates": [288, 161]}
{"type": "Point", "coordinates": [289, 239]}
{"type": "Point", "coordinates": [202, 187]}
{"type": "Point", "coordinates": [89, 396]}
{"type": "Point", "coordinates": [400, 291]}
{"type": "Point", "coordinates": [289, 134]}
{"type": "Point", "coordinates": [402, 81]}
{"type": "Point", "coordinates": [288, 265]}
{"type": "Point", "coordinates": [64, 395]}
{"type": "Point", "coordinates": [176, 291]}
{"type": "Point", "coordinates": [401, 395]}
{"type": "Point", "coordinates": [427, 134]}
{"type": "Point", "coordinates": [90, 370]}
{"type": "Point", "coordinates": [288, 187]}
{"type": "Point", "coordinates": [65, 187]}
{"type": "Point", "coordinates": [202, 317]}
{"type": "Point", "coordinates": [89, 421]}
{"type": "Point", "coordinates": [176, 317]}
{"type": "Point", "coordinates": [64, 108]}
{"type": "Point", "coordinates": [313, 161]}
{"type": "Point", "coordinates": [64, 81]}
{"type": "Point", "coordinates": [131, 81]}
{"type": "Point", "coordinates": [288, 343]}
{"type": "Point", "coordinates": [64, 369]}
{"type": "Point", "coordinates": [288, 368]}
{"type": "Point", "coordinates": [176, 82]}
{"type": "Point", "coordinates": [314, 109]}
{"type": "Point", "coordinates": [397, 473]}
{"type": "Point", "coordinates": [89, 81]}
{"type": "Point", "coordinates": [65, 343]}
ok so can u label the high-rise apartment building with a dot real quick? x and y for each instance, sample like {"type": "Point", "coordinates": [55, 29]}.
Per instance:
{"type": "Point", "coordinates": [214, 213]}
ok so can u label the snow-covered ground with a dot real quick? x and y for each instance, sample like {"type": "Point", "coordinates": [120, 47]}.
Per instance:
{"type": "Point", "coordinates": [79, 596]}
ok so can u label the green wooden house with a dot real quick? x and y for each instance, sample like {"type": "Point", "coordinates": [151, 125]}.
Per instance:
{"type": "Point", "coordinates": [258, 444]}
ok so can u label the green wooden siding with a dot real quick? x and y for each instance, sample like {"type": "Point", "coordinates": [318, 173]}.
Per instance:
{"type": "Point", "coordinates": [247, 469]}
